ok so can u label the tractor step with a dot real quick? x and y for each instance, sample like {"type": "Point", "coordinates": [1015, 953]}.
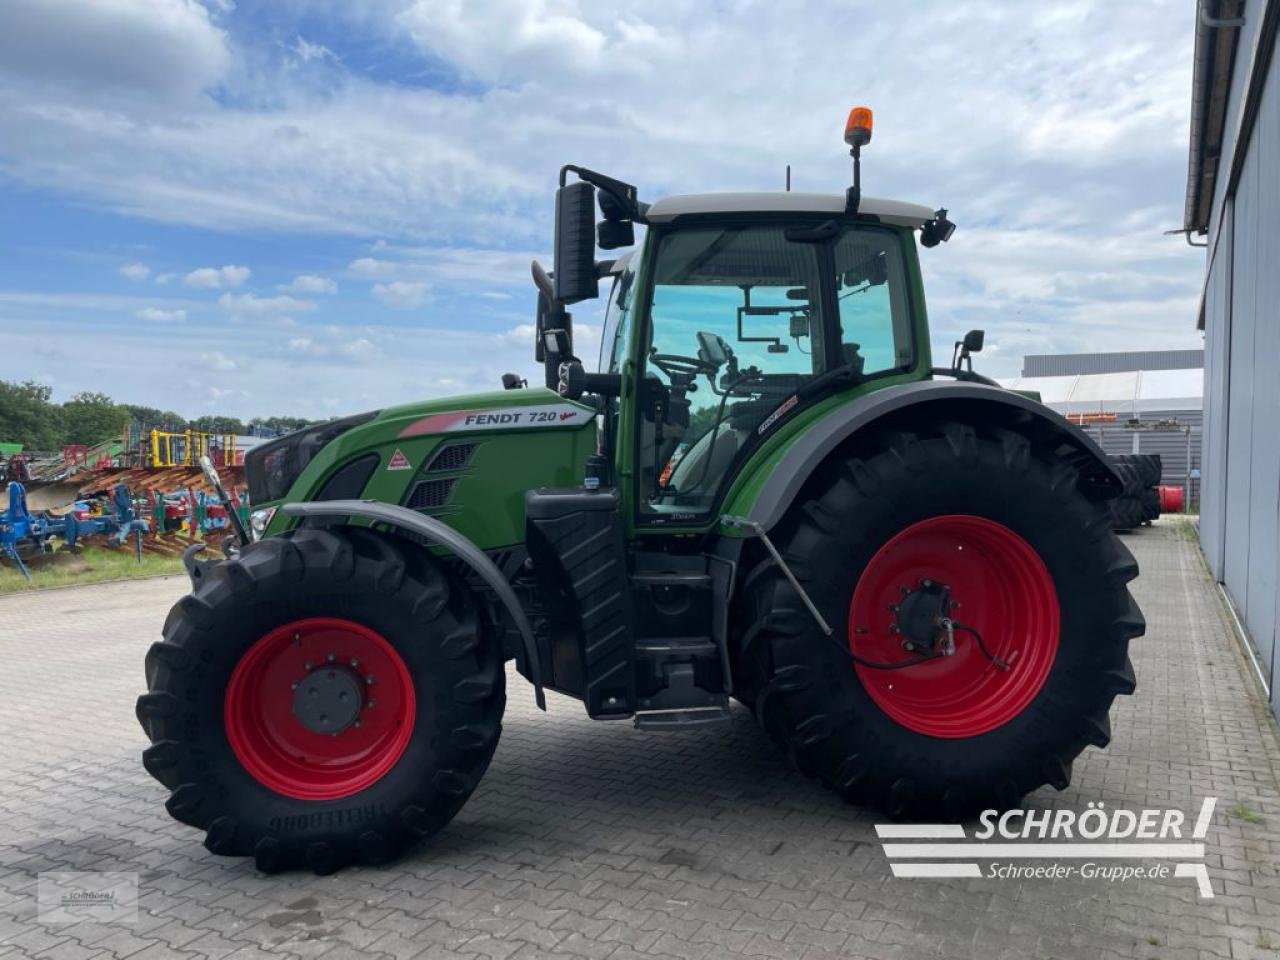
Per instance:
{"type": "Point", "coordinates": [673, 718]}
{"type": "Point", "coordinates": [677, 646]}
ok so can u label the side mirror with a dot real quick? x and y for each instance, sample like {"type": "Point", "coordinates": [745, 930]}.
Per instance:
{"type": "Point", "coordinates": [612, 234]}
{"type": "Point", "coordinates": [972, 343]}
{"type": "Point", "coordinates": [575, 267]}
{"type": "Point", "coordinates": [513, 381]}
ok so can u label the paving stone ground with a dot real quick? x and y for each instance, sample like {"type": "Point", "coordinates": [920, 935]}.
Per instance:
{"type": "Point", "coordinates": [594, 840]}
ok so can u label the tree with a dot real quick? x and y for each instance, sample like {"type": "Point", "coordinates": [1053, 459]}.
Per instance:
{"type": "Point", "coordinates": [27, 416]}
{"type": "Point", "coordinates": [90, 418]}
{"type": "Point", "coordinates": [157, 418]}
{"type": "Point", "coordinates": [215, 424]}
{"type": "Point", "coordinates": [281, 424]}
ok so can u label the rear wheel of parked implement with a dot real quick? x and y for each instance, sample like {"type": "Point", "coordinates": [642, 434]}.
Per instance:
{"type": "Point", "coordinates": [327, 698]}
{"type": "Point", "coordinates": [981, 623]}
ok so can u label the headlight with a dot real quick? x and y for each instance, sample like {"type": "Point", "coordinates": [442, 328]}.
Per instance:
{"type": "Point", "coordinates": [259, 520]}
{"type": "Point", "coordinates": [272, 468]}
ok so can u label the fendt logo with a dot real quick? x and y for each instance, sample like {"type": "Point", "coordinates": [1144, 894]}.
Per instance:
{"type": "Point", "coordinates": [1091, 845]}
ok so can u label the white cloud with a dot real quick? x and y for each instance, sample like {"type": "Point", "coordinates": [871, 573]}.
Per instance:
{"type": "Point", "coordinates": [135, 271]}
{"type": "Point", "coordinates": [250, 305]}
{"type": "Point", "coordinates": [217, 360]}
{"type": "Point", "coordinates": [372, 267]}
{"type": "Point", "coordinates": [148, 49]}
{"type": "Point", "coordinates": [160, 315]}
{"type": "Point", "coordinates": [214, 278]}
{"type": "Point", "coordinates": [306, 51]}
{"type": "Point", "coordinates": [402, 293]}
{"type": "Point", "coordinates": [312, 283]}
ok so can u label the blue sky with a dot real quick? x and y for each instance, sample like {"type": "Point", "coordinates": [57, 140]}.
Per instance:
{"type": "Point", "coordinates": [306, 207]}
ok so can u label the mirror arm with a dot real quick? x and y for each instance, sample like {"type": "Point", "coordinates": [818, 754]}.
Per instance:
{"type": "Point", "coordinates": [626, 194]}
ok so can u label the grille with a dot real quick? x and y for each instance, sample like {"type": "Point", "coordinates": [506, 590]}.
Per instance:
{"type": "Point", "coordinates": [429, 494]}
{"type": "Point", "coordinates": [453, 457]}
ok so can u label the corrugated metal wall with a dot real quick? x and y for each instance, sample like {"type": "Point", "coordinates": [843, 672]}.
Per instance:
{"type": "Point", "coordinates": [1217, 310]}
{"type": "Point", "coordinates": [1240, 528]}
{"type": "Point", "coordinates": [1069, 364]}
{"type": "Point", "coordinates": [1170, 443]}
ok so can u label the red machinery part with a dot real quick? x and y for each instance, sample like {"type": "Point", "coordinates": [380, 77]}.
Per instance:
{"type": "Point", "coordinates": [1171, 499]}
{"type": "Point", "coordinates": [277, 750]}
{"type": "Point", "coordinates": [999, 587]}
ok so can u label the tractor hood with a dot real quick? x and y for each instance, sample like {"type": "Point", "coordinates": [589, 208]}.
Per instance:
{"type": "Point", "coordinates": [466, 460]}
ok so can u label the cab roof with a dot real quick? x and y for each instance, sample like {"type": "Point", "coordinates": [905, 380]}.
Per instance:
{"type": "Point", "coordinates": [896, 212]}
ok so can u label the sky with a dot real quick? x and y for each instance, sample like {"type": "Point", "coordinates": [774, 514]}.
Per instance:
{"type": "Point", "coordinates": [305, 207]}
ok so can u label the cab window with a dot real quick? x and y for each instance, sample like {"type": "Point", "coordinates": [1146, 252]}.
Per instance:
{"type": "Point", "coordinates": [871, 292]}
{"type": "Point", "coordinates": [735, 329]}
{"type": "Point", "coordinates": [613, 337]}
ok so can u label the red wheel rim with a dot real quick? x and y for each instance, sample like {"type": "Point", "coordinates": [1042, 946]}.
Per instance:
{"type": "Point", "coordinates": [999, 586]}
{"type": "Point", "coordinates": [272, 743]}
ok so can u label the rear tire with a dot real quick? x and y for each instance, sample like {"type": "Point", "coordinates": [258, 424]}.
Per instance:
{"type": "Point", "coordinates": [943, 756]}
{"type": "Point", "coordinates": [231, 749]}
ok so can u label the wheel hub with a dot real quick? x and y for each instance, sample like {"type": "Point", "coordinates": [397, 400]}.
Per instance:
{"type": "Point", "coordinates": [922, 615]}
{"type": "Point", "coordinates": [329, 699]}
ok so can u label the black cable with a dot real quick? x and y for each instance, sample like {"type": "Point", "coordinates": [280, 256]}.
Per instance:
{"type": "Point", "coordinates": [899, 664]}
{"type": "Point", "coordinates": [1002, 664]}
{"type": "Point", "coordinates": [894, 665]}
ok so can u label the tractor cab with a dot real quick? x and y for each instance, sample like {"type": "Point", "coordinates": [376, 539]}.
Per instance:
{"type": "Point", "coordinates": [749, 308]}
{"type": "Point", "coordinates": [738, 313]}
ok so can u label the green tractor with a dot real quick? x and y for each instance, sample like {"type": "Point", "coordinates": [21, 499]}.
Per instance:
{"type": "Point", "coordinates": [766, 493]}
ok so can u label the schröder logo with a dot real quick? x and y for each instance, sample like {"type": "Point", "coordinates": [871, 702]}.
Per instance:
{"type": "Point", "coordinates": [1091, 845]}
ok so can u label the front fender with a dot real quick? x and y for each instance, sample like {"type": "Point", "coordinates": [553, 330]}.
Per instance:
{"type": "Point", "coordinates": [446, 536]}
{"type": "Point", "coordinates": [933, 400]}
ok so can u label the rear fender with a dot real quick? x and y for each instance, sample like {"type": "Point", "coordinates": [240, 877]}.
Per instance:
{"type": "Point", "coordinates": [930, 400]}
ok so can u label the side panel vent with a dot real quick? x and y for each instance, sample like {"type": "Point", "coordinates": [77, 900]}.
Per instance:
{"type": "Point", "coordinates": [454, 456]}
{"type": "Point", "coordinates": [431, 494]}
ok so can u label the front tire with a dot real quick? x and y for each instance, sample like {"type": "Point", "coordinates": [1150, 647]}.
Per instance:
{"type": "Point", "coordinates": [1042, 584]}
{"type": "Point", "coordinates": [330, 697]}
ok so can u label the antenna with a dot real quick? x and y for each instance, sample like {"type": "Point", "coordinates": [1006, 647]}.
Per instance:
{"type": "Point", "coordinates": [788, 178]}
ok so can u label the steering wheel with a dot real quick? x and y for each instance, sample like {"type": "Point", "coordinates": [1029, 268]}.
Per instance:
{"type": "Point", "coordinates": [673, 365]}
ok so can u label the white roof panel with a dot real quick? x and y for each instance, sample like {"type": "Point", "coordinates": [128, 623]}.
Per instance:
{"type": "Point", "coordinates": [1123, 393]}
{"type": "Point", "coordinates": [890, 211]}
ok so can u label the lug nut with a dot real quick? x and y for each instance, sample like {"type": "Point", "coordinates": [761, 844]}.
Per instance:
{"type": "Point", "coordinates": [331, 657]}
{"type": "Point", "coordinates": [369, 679]}
{"type": "Point", "coordinates": [306, 665]}
{"type": "Point", "coordinates": [355, 662]}
{"type": "Point", "coordinates": [371, 703]}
